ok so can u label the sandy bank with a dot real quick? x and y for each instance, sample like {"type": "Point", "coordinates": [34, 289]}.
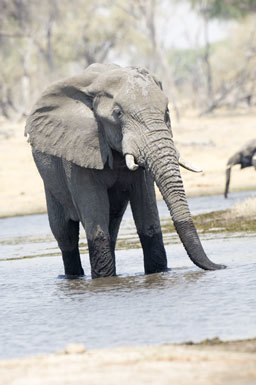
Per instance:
{"type": "Point", "coordinates": [234, 363]}
{"type": "Point", "coordinates": [207, 142]}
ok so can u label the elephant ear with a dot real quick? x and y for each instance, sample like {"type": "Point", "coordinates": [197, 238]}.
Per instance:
{"type": "Point", "coordinates": [63, 123]}
{"type": "Point", "coordinates": [158, 82]}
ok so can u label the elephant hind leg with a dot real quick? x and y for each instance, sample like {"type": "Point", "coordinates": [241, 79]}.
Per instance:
{"type": "Point", "coordinates": [66, 233]}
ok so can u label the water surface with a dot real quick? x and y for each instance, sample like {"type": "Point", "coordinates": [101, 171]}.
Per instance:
{"type": "Point", "coordinates": [42, 313]}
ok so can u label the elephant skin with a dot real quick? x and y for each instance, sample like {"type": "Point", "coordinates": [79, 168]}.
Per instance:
{"type": "Point", "coordinates": [246, 157]}
{"type": "Point", "coordinates": [99, 141]}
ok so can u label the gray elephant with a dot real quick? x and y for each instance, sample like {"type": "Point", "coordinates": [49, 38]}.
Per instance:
{"type": "Point", "coordinates": [246, 157]}
{"type": "Point", "coordinates": [99, 140]}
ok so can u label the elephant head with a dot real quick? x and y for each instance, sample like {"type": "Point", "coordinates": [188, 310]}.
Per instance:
{"type": "Point", "coordinates": [123, 109]}
{"type": "Point", "coordinates": [246, 157]}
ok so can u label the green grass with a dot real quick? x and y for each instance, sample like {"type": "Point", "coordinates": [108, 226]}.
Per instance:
{"type": "Point", "coordinates": [227, 221]}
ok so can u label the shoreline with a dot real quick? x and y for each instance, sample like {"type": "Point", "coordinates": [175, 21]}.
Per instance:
{"type": "Point", "coordinates": [42, 209]}
{"type": "Point", "coordinates": [199, 140]}
{"type": "Point", "coordinates": [211, 361]}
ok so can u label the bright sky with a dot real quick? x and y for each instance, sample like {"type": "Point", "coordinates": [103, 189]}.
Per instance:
{"type": "Point", "coordinates": [180, 27]}
{"type": "Point", "coordinates": [183, 28]}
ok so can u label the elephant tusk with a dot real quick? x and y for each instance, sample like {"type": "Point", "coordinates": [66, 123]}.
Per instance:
{"type": "Point", "coordinates": [130, 162]}
{"type": "Point", "coordinates": [188, 166]}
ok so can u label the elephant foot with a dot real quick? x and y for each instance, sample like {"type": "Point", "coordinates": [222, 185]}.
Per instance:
{"type": "Point", "coordinates": [72, 264]}
{"type": "Point", "coordinates": [71, 276]}
{"type": "Point", "coordinates": [155, 271]}
{"type": "Point", "coordinates": [102, 275]}
{"type": "Point", "coordinates": [101, 258]}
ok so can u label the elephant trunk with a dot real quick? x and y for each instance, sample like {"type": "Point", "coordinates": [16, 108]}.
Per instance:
{"type": "Point", "coordinates": [161, 158]}
{"type": "Point", "coordinates": [235, 159]}
{"type": "Point", "coordinates": [228, 174]}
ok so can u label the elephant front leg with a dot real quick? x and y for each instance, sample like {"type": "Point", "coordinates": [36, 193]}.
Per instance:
{"type": "Point", "coordinates": [92, 203]}
{"type": "Point", "coordinates": [101, 257]}
{"type": "Point", "coordinates": [145, 213]}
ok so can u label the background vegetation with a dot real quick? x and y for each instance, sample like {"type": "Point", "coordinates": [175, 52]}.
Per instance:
{"type": "Point", "coordinates": [45, 40]}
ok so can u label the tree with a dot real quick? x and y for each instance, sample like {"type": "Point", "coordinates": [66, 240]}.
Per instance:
{"type": "Point", "coordinates": [54, 38]}
{"type": "Point", "coordinates": [42, 41]}
{"type": "Point", "coordinates": [225, 9]}
{"type": "Point", "coordinates": [144, 17]}
{"type": "Point", "coordinates": [222, 9]}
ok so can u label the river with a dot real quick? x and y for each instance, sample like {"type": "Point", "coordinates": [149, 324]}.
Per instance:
{"type": "Point", "coordinates": [42, 312]}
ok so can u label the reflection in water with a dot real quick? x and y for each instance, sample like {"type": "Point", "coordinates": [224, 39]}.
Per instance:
{"type": "Point", "coordinates": [123, 284]}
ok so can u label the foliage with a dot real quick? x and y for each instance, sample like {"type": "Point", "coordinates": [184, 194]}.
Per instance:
{"type": "Point", "coordinates": [43, 41]}
{"type": "Point", "coordinates": [225, 9]}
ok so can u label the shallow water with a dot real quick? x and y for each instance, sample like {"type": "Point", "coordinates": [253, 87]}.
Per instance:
{"type": "Point", "coordinates": [42, 313]}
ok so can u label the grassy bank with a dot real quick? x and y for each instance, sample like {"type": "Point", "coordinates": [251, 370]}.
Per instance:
{"type": "Point", "coordinates": [245, 346]}
{"type": "Point", "coordinates": [241, 217]}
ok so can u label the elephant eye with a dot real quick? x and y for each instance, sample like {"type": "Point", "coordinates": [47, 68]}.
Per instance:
{"type": "Point", "coordinates": [167, 118]}
{"type": "Point", "coordinates": [117, 113]}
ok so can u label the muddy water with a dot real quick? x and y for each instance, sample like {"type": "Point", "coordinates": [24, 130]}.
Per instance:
{"type": "Point", "coordinates": [40, 312]}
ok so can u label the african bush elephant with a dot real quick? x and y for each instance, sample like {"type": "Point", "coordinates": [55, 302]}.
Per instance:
{"type": "Point", "coordinates": [246, 157]}
{"type": "Point", "coordinates": [99, 140]}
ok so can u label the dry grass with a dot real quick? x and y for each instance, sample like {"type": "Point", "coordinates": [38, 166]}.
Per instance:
{"type": "Point", "coordinates": [247, 208]}
{"type": "Point", "coordinates": [240, 218]}
{"type": "Point", "coordinates": [209, 142]}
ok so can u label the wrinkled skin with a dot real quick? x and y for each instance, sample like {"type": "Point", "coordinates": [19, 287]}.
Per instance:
{"type": "Point", "coordinates": [80, 131]}
{"type": "Point", "coordinates": [246, 157]}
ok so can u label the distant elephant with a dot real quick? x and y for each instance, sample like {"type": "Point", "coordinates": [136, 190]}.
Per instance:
{"type": "Point", "coordinates": [246, 156]}
{"type": "Point", "coordinates": [99, 140]}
